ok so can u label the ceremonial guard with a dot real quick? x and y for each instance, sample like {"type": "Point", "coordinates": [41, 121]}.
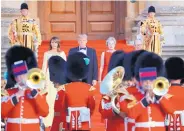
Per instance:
{"type": "Point", "coordinates": [152, 32]}
{"type": "Point", "coordinates": [113, 121]}
{"type": "Point", "coordinates": [23, 105]}
{"type": "Point", "coordinates": [147, 113]}
{"type": "Point", "coordinates": [57, 76]}
{"type": "Point", "coordinates": [24, 30]}
{"type": "Point", "coordinates": [174, 105]}
{"type": "Point", "coordinates": [79, 100]}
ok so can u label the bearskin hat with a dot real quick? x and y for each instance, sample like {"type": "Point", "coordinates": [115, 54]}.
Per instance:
{"type": "Point", "coordinates": [174, 68]}
{"type": "Point", "coordinates": [129, 63]}
{"type": "Point", "coordinates": [149, 59]}
{"type": "Point", "coordinates": [57, 69]}
{"type": "Point", "coordinates": [182, 82]}
{"type": "Point", "coordinates": [116, 59]}
{"type": "Point", "coordinates": [151, 9]}
{"type": "Point", "coordinates": [77, 66]}
{"type": "Point", "coordinates": [17, 53]}
{"type": "Point", "coordinates": [24, 6]}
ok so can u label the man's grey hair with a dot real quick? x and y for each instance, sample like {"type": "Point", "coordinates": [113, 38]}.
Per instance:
{"type": "Point", "coordinates": [82, 36]}
{"type": "Point", "coordinates": [111, 39]}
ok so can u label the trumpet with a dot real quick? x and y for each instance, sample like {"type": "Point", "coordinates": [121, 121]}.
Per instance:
{"type": "Point", "coordinates": [112, 86]}
{"type": "Point", "coordinates": [161, 86]}
{"type": "Point", "coordinates": [35, 78]}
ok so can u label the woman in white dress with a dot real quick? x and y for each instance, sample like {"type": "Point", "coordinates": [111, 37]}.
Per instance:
{"type": "Point", "coordinates": [53, 51]}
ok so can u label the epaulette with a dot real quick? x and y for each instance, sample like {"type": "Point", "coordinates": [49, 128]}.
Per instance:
{"type": "Point", "coordinates": [167, 96]}
{"type": "Point", "coordinates": [92, 88]}
{"type": "Point", "coordinates": [132, 104]}
{"type": "Point", "coordinates": [105, 97]}
{"type": "Point", "coordinates": [62, 87]}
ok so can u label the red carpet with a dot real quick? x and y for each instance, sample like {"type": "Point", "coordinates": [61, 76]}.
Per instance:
{"type": "Point", "coordinates": [100, 46]}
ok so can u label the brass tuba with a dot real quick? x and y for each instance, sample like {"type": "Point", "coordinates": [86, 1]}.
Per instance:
{"type": "Point", "coordinates": [112, 86]}
{"type": "Point", "coordinates": [161, 86]}
{"type": "Point", "coordinates": [35, 78]}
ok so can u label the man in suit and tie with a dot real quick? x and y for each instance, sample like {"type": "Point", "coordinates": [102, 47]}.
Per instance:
{"type": "Point", "coordinates": [91, 53]}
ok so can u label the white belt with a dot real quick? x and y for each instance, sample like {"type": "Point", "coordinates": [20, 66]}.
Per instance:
{"type": "Point", "coordinates": [181, 113]}
{"type": "Point", "coordinates": [178, 112]}
{"type": "Point", "coordinates": [149, 124]}
{"type": "Point", "coordinates": [25, 33]}
{"type": "Point", "coordinates": [131, 120]}
{"type": "Point", "coordinates": [23, 120]}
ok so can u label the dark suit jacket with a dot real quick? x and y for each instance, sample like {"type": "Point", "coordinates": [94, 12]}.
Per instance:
{"type": "Point", "coordinates": [93, 66]}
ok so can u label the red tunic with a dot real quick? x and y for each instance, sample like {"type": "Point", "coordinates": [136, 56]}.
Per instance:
{"type": "Point", "coordinates": [114, 121]}
{"type": "Point", "coordinates": [79, 102]}
{"type": "Point", "coordinates": [174, 105]}
{"type": "Point", "coordinates": [23, 115]}
{"type": "Point", "coordinates": [59, 121]}
{"type": "Point", "coordinates": [107, 57]}
{"type": "Point", "coordinates": [146, 118]}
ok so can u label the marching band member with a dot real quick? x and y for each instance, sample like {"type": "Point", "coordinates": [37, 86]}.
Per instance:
{"type": "Point", "coordinates": [79, 100]}
{"type": "Point", "coordinates": [147, 114]}
{"type": "Point", "coordinates": [175, 72]}
{"type": "Point", "coordinates": [57, 76]}
{"type": "Point", "coordinates": [132, 86]}
{"type": "Point", "coordinates": [113, 121]}
{"type": "Point", "coordinates": [23, 106]}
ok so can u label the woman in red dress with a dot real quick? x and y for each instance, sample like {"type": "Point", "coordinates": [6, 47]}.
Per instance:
{"type": "Point", "coordinates": [105, 57]}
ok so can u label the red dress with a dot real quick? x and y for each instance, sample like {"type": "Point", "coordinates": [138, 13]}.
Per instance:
{"type": "Point", "coordinates": [107, 57]}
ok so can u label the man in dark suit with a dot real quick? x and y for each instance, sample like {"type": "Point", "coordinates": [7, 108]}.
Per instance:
{"type": "Point", "coordinates": [91, 53]}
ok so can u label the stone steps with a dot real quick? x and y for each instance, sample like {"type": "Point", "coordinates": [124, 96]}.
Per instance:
{"type": "Point", "coordinates": [172, 50]}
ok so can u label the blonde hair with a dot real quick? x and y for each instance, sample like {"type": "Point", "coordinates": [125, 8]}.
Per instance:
{"type": "Point", "coordinates": [111, 39]}
{"type": "Point", "coordinates": [82, 36]}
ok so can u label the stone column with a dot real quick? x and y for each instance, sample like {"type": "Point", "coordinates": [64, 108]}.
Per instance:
{"type": "Point", "coordinates": [9, 11]}
{"type": "Point", "coordinates": [132, 12]}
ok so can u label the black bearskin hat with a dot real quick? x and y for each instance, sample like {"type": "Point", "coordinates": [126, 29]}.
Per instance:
{"type": "Point", "coordinates": [129, 63]}
{"type": "Point", "coordinates": [151, 9]}
{"type": "Point", "coordinates": [17, 53]}
{"type": "Point", "coordinates": [149, 59]}
{"type": "Point", "coordinates": [116, 59]}
{"type": "Point", "coordinates": [24, 6]}
{"type": "Point", "coordinates": [77, 66]}
{"type": "Point", "coordinates": [174, 68]}
{"type": "Point", "coordinates": [57, 69]}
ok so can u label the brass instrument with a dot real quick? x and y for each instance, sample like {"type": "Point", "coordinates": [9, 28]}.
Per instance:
{"type": "Point", "coordinates": [112, 86]}
{"type": "Point", "coordinates": [35, 78]}
{"type": "Point", "coordinates": [161, 86]}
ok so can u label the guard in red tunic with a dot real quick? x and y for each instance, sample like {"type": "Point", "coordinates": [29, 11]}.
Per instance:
{"type": "Point", "coordinates": [174, 105]}
{"type": "Point", "coordinates": [79, 101]}
{"type": "Point", "coordinates": [57, 76]}
{"type": "Point", "coordinates": [147, 113]}
{"type": "Point", "coordinates": [114, 122]}
{"type": "Point", "coordinates": [23, 106]}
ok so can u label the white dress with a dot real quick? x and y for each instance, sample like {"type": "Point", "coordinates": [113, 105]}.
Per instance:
{"type": "Point", "coordinates": [50, 87]}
